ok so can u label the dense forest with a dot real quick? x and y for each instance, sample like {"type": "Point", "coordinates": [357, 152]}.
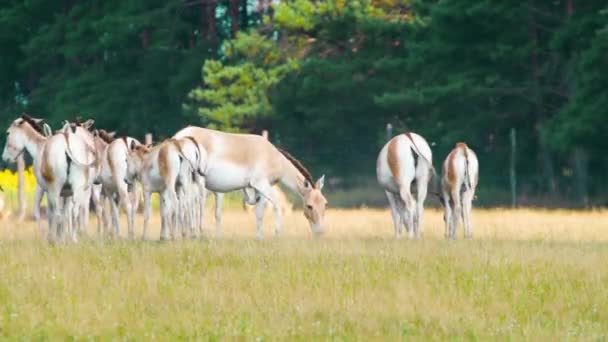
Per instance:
{"type": "Point", "coordinates": [326, 77]}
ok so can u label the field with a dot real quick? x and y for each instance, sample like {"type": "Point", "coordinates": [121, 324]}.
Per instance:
{"type": "Point", "coordinates": [527, 275]}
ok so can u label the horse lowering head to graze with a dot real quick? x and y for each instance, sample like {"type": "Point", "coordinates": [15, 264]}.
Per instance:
{"type": "Point", "coordinates": [314, 201]}
{"type": "Point", "coordinates": [459, 180]}
{"type": "Point", "coordinates": [251, 163]}
{"type": "Point", "coordinates": [406, 163]}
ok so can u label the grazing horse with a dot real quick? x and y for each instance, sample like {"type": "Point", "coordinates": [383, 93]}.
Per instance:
{"type": "Point", "coordinates": [405, 162]}
{"type": "Point", "coordinates": [458, 183]}
{"type": "Point", "coordinates": [286, 205]}
{"type": "Point", "coordinates": [252, 163]}
{"type": "Point", "coordinates": [61, 167]}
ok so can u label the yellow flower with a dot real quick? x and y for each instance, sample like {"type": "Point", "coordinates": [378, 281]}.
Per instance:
{"type": "Point", "coordinates": [10, 180]}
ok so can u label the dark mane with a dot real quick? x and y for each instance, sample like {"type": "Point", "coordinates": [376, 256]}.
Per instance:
{"type": "Point", "coordinates": [36, 126]}
{"type": "Point", "coordinates": [298, 166]}
{"type": "Point", "coordinates": [77, 121]}
{"type": "Point", "coordinates": [103, 135]}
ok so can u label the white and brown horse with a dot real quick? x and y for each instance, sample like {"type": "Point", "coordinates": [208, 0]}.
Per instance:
{"type": "Point", "coordinates": [81, 209]}
{"type": "Point", "coordinates": [158, 169]}
{"type": "Point", "coordinates": [458, 184]}
{"type": "Point", "coordinates": [112, 176]}
{"type": "Point", "coordinates": [250, 162]}
{"type": "Point", "coordinates": [83, 130]}
{"type": "Point", "coordinates": [61, 167]}
{"type": "Point", "coordinates": [191, 191]}
{"type": "Point", "coordinates": [405, 163]}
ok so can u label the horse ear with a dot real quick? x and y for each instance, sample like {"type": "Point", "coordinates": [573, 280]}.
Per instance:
{"type": "Point", "coordinates": [132, 145]}
{"type": "Point", "coordinates": [47, 130]}
{"type": "Point", "coordinates": [111, 134]}
{"type": "Point", "coordinates": [319, 184]}
{"type": "Point", "coordinates": [88, 124]}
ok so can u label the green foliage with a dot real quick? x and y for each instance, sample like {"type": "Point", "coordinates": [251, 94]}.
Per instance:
{"type": "Point", "coordinates": [121, 62]}
{"type": "Point", "coordinates": [234, 95]}
{"type": "Point", "coordinates": [326, 76]}
{"type": "Point", "coordinates": [582, 121]}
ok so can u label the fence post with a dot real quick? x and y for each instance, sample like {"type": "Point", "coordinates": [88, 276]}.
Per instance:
{"type": "Point", "coordinates": [21, 188]}
{"type": "Point", "coordinates": [389, 131]}
{"type": "Point", "coordinates": [513, 174]}
{"type": "Point", "coordinates": [148, 139]}
{"type": "Point", "coordinates": [581, 172]}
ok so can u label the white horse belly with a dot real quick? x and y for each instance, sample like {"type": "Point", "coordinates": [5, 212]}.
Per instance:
{"type": "Point", "coordinates": [226, 177]}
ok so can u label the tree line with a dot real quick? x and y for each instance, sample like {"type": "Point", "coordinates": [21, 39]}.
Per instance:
{"type": "Point", "coordinates": [326, 77]}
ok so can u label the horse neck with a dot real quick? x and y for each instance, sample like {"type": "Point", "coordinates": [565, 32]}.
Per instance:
{"type": "Point", "coordinates": [100, 145]}
{"type": "Point", "coordinates": [85, 136]}
{"type": "Point", "coordinates": [33, 142]}
{"type": "Point", "coordinates": [292, 176]}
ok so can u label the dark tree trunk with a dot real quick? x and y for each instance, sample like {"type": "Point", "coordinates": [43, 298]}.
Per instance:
{"type": "Point", "coordinates": [543, 150]}
{"type": "Point", "coordinates": [211, 22]}
{"type": "Point", "coordinates": [261, 8]}
{"type": "Point", "coordinates": [580, 159]}
{"type": "Point", "coordinates": [570, 7]}
{"type": "Point", "coordinates": [145, 38]}
{"type": "Point", "coordinates": [244, 15]}
{"type": "Point", "coordinates": [234, 16]}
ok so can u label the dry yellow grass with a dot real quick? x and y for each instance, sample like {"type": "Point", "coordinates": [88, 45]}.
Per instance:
{"type": "Point", "coordinates": [528, 274]}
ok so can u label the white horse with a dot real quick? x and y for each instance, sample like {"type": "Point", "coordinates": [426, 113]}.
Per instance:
{"type": "Point", "coordinates": [252, 163]}
{"type": "Point", "coordinates": [405, 162]}
{"type": "Point", "coordinates": [158, 169]}
{"type": "Point", "coordinates": [458, 182]}
{"type": "Point", "coordinates": [113, 175]}
{"type": "Point", "coordinates": [61, 167]}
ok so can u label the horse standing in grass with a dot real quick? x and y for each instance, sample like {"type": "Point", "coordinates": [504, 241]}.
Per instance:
{"type": "Point", "coordinates": [251, 163]}
{"type": "Point", "coordinates": [158, 169]}
{"type": "Point", "coordinates": [61, 167]}
{"type": "Point", "coordinates": [458, 183]}
{"type": "Point", "coordinates": [405, 163]}
{"type": "Point", "coordinates": [112, 176]}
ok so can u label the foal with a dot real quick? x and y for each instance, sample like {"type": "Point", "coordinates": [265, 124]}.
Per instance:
{"type": "Point", "coordinates": [458, 183]}
{"type": "Point", "coordinates": [113, 178]}
{"type": "Point", "coordinates": [158, 169]}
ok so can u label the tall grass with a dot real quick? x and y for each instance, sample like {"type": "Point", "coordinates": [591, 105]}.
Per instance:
{"type": "Point", "coordinates": [528, 275]}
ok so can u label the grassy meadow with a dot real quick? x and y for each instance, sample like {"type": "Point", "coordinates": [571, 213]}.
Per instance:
{"type": "Point", "coordinates": [527, 275]}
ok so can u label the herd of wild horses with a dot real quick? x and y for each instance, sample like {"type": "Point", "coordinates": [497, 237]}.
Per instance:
{"type": "Point", "coordinates": [79, 163]}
